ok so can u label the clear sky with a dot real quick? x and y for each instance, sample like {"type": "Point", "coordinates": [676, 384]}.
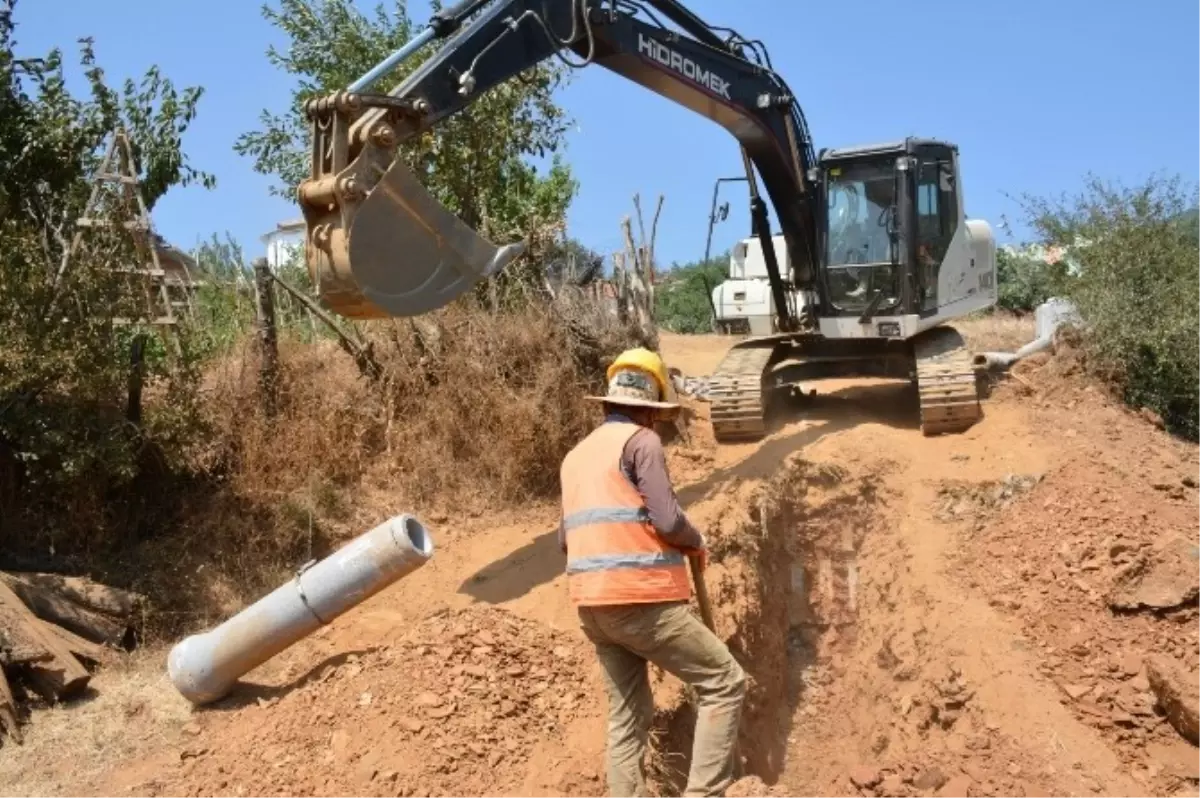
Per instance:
{"type": "Point", "coordinates": [1035, 92]}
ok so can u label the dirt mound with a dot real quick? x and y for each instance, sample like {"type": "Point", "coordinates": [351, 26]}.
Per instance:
{"type": "Point", "coordinates": [467, 703]}
{"type": "Point", "coordinates": [1098, 563]}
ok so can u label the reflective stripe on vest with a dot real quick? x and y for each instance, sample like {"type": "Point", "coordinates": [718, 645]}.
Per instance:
{"type": "Point", "coordinates": [614, 555]}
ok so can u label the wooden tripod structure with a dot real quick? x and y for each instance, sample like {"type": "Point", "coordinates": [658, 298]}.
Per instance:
{"type": "Point", "coordinates": [163, 309]}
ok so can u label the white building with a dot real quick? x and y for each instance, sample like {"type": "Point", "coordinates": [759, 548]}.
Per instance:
{"type": "Point", "coordinates": [284, 243]}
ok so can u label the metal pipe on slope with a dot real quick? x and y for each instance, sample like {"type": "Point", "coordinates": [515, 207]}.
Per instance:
{"type": "Point", "coordinates": [1048, 317]}
{"type": "Point", "coordinates": [204, 667]}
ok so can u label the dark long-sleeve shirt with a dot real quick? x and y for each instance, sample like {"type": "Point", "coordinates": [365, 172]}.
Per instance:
{"type": "Point", "coordinates": [644, 463]}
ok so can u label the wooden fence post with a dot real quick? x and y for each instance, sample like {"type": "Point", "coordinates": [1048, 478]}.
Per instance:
{"type": "Point", "coordinates": [268, 339]}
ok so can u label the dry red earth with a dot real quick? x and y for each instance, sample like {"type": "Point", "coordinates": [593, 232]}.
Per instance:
{"type": "Point", "coordinates": [962, 615]}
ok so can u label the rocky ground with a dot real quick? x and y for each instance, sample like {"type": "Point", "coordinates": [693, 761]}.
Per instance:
{"type": "Point", "coordinates": [991, 613]}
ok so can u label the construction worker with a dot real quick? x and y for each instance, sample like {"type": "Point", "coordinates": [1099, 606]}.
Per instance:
{"type": "Point", "coordinates": [627, 543]}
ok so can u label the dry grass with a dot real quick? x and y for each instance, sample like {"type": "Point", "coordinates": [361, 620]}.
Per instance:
{"type": "Point", "coordinates": [133, 709]}
{"type": "Point", "coordinates": [996, 332]}
{"type": "Point", "coordinates": [474, 411]}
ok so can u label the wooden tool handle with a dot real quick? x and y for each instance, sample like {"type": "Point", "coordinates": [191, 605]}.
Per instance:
{"type": "Point", "coordinates": [702, 592]}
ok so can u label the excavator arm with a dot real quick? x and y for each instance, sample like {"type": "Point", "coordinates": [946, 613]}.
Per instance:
{"type": "Point", "coordinates": [379, 245]}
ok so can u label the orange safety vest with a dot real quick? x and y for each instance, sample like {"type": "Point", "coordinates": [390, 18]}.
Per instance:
{"type": "Point", "coordinates": [614, 554]}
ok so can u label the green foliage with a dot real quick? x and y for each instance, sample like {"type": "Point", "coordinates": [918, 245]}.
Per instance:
{"type": "Point", "coordinates": [1025, 282]}
{"type": "Point", "coordinates": [474, 163]}
{"type": "Point", "coordinates": [63, 361]}
{"type": "Point", "coordinates": [224, 305]}
{"type": "Point", "coordinates": [1139, 265]}
{"type": "Point", "coordinates": [682, 301]}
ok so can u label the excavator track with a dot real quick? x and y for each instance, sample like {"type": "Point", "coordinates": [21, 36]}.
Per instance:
{"type": "Point", "coordinates": [737, 393]}
{"type": "Point", "coordinates": [946, 382]}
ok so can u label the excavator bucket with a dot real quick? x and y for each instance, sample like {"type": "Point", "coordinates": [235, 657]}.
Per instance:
{"type": "Point", "coordinates": [408, 255]}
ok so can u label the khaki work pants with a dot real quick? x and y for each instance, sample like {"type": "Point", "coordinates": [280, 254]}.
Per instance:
{"type": "Point", "coordinates": [669, 635]}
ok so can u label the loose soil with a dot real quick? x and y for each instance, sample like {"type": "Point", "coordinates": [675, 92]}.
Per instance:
{"type": "Point", "coordinates": [961, 615]}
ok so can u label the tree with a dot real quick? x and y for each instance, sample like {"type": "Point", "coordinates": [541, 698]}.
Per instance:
{"type": "Point", "coordinates": [474, 163]}
{"type": "Point", "coordinates": [1024, 282]}
{"type": "Point", "coordinates": [63, 373]}
{"type": "Point", "coordinates": [1138, 266]}
{"type": "Point", "coordinates": [682, 301]}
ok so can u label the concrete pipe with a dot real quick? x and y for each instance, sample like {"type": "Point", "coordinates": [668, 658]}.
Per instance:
{"type": "Point", "coordinates": [205, 667]}
{"type": "Point", "coordinates": [1048, 318]}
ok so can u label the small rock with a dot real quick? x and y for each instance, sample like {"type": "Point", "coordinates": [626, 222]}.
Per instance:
{"type": "Point", "coordinates": [364, 700]}
{"type": "Point", "coordinates": [410, 724]}
{"type": "Point", "coordinates": [478, 671]}
{"type": "Point", "coordinates": [891, 785]}
{"type": "Point", "coordinates": [562, 652]}
{"type": "Point", "coordinates": [1130, 664]}
{"type": "Point", "coordinates": [388, 776]}
{"type": "Point", "coordinates": [191, 729]}
{"type": "Point", "coordinates": [487, 638]}
{"type": "Point", "coordinates": [1189, 482]}
{"type": "Point", "coordinates": [428, 699]}
{"type": "Point", "coordinates": [438, 713]}
{"type": "Point", "coordinates": [957, 787]}
{"type": "Point", "coordinates": [1076, 691]}
{"type": "Point", "coordinates": [1014, 769]}
{"type": "Point", "coordinates": [865, 777]}
{"type": "Point", "coordinates": [1178, 694]}
{"type": "Point", "coordinates": [930, 780]}
{"type": "Point", "coordinates": [460, 630]}
{"type": "Point", "coordinates": [495, 757]}
{"type": "Point", "coordinates": [1121, 717]}
{"type": "Point", "coordinates": [1171, 581]}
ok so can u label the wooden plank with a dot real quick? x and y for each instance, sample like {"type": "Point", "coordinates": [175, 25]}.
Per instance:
{"type": "Point", "coordinates": [82, 649]}
{"type": "Point", "coordinates": [18, 633]}
{"type": "Point", "coordinates": [82, 591]}
{"type": "Point", "coordinates": [60, 677]}
{"type": "Point", "coordinates": [50, 606]}
{"type": "Point", "coordinates": [8, 712]}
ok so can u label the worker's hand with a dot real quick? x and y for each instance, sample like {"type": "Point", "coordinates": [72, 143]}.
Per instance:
{"type": "Point", "coordinates": [699, 554]}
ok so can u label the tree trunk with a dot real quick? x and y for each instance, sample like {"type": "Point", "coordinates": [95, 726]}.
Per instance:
{"type": "Point", "coordinates": [49, 606]}
{"type": "Point", "coordinates": [82, 649]}
{"type": "Point", "coordinates": [82, 591]}
{"type": "Point", "coordinates": [56, 678]}
{"type": "Point", "coordinates": [19, 638]}
{"type": "Point", "coordinates": [8, 712]}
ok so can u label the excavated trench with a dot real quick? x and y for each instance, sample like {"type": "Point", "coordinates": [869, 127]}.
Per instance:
{"type": "Point", "coordinates": [784, 583]}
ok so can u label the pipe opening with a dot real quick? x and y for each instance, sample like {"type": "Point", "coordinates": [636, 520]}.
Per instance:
{"type": "Point", "coordinates": [417, 536]}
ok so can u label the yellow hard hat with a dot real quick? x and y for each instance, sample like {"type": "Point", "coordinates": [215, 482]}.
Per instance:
{"type": "Point", "coordinates": [639, 377]}
{"type": "Point", "coordinates": [645, 360]}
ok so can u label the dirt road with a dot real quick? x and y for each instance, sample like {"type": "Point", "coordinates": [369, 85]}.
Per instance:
{"type": "Point", "coordinates": [963, 615]}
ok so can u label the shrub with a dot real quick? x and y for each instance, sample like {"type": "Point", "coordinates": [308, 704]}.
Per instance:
{"type": "Point", "coordinates": [1139, 265]}
{"type": "Point", "coordinates": [682, 304]}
